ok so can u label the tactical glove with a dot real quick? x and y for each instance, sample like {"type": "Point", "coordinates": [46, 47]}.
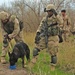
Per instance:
{"type": "Point", "coordinates": [60, 39]}
{"type": "Point", "coordinates": [55, 13]}
{"type": "Point", "coordinates": [60, 36]}
{"type": "Point", "coordinates": [7, 37]}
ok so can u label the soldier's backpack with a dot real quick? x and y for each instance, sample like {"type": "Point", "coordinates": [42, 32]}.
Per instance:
{"type": "Point", "coordinates": [9, 26]}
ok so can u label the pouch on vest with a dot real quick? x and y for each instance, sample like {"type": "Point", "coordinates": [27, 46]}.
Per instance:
{"type": "Point", "coordinates": [9, 26]}
{"type": "Point", "coordinates": [52, 31]}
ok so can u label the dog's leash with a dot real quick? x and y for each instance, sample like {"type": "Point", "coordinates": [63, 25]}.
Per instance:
{"type": "Point", "coordinates": [10, 45]}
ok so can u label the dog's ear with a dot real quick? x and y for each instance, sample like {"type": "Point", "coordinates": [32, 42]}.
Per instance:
{"type": "Point", "coordinates": [9, 54]}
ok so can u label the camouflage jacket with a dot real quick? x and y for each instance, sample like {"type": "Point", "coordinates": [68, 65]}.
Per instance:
{"type": "Point", "coordinates": [16, 27]}
{"type": "Point", "coordinates": [66, 23]}
{"type": "Point", "coordinates": [51, 20]}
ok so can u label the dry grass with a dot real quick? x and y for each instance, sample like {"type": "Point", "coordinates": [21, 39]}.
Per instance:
{"type": "Point", "coordinates": [1, 37]}
{"type": "Point", "coordinates": [66, 54]}
{"type": "Point", "coordinates": [29, 38]}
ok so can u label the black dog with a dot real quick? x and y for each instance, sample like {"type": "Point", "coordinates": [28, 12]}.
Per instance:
{"type": "Point", "coordinates": [19, 51]}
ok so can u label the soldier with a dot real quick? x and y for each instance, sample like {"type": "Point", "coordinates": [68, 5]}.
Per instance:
{"type": "Point", "coordinates": [10, 30]}
{"type": "Point", "coordinates": [47, 35]}
{"type": "Point", "coordinates": [66, 25]}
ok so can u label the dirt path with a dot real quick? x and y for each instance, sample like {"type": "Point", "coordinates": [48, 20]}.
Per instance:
{"type": "Point", "coordinates": [4, 70]}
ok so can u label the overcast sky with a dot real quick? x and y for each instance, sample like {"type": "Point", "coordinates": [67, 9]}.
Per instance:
{"type": "Point", "coordinates": [5, 1]}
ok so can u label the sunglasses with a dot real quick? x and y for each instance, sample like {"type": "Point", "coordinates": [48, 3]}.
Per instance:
{"type": "Point", "coordinates": [49, 11]}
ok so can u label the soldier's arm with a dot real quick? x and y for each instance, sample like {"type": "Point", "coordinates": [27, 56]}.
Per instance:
{"type": "Point", "coordinates": [60, 21]}
{"type": "Point", "coordinates": [41, 24]}
{"type": "Point", "coordinates": [69, 21]}
{"type": "Point", "coordinates": [16, 28]}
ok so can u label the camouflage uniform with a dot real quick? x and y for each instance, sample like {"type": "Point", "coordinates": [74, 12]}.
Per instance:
{"type": "Point", "coordinates": [53, 40]}
{"type": "Point", "coordinates": [16, 34]}
{"type": "Point", "coordinates": [66, 27]}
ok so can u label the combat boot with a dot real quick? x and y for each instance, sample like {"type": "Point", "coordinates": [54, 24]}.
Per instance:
{"type": "Point", "coordinates": [35, 55]}
{"type": "Point", "coordinates": [52, 67]}
{"type": "Point", "coordinates": [3, 61]}
{"type": "Point", "coordinates": [34, 59]}
{"type": "Point", "coordinates": [33, 62]}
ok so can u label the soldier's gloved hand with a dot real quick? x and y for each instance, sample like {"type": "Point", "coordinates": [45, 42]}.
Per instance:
{"type": "Point", "coordinates": [37, 38]}
{"type": "Point", "coordinates": [7, 37]}
{"type": "Point", "coordinates": [55, 13]}
{"type": "Point", "coordinates": [60, 38]}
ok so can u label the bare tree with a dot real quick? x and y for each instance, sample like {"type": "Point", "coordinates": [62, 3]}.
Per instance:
{"type": "Point", "coordinates": [31, 12]}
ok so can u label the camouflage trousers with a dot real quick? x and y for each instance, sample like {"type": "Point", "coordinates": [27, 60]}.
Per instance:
{"type": "Point", "coordinates": [5, 46]}
{"type": "Point", "coordinates": [53, 42]}
{"type": "Point", "coordinates": [66, 35]}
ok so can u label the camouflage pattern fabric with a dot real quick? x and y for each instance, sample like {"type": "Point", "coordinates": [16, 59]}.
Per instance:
{"type": "Point", "coordinates": [16, 34]}
{"type": "Point", "coordinates": [66, 27]}
{"type": "Point", "coordinates": [52, 40]}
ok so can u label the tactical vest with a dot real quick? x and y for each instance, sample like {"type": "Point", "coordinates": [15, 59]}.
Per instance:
{"type": "Point", "coordinates": [9, 26]}
{"type": "Point", "coordinates": [49, 29]}
{"type": "Point", "coordinates": [53, 29]}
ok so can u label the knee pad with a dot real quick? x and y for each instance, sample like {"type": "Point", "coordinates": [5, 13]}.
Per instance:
{"type": "Point", "coordinates": [35, 51]}
{"type": "Point", "coordinates": [54, 59]}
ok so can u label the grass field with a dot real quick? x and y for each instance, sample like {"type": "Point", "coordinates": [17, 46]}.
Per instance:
{"type": "Point", "coordinates": [66, 60]}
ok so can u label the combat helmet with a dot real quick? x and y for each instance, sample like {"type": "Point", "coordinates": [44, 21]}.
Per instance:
{"type": "Point", "coordinates": [49, 7]}
{"type": "Point", "coordinates": [4, 15]}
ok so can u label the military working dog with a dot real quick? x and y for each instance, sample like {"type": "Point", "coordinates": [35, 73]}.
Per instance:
{"type": "Point", "coordinates": [20, 50]}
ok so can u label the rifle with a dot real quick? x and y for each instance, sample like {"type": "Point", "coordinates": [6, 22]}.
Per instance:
{"type": "Point", "coordinates": [46, 30]}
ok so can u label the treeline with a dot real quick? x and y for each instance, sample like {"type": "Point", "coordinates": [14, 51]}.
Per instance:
{"type": "Point", "coordinates": [32, 11]}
